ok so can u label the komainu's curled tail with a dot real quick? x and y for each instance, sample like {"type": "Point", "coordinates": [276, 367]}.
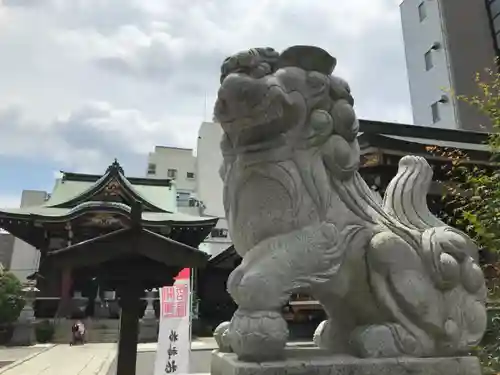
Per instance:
{"type": "Point", "coordinates": [449, 258]}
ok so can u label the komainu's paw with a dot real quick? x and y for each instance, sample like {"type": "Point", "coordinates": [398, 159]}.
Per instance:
{"type": "Point", "coordinates": [384, 341]}
{"type": "Point", "coordinates": [258, 336]}
{"type": "Point", "coordinates": [332, 337]}
{"type": "Point", "coordinates": [221, 337]}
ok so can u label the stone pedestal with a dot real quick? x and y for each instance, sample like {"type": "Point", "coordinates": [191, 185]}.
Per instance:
{"type": "Point", "coordinates": [24, 333]}
{"type": "Point", "coordinates": [307, 361]}
{"type": "Point", "coordinates": [24, 328]}
{"type": "Point", "coordinates": [148, 330]}
{"type": "Point", "coordinates": [101, 309]}
{"type": "Point", "coordinates": [149, 324]}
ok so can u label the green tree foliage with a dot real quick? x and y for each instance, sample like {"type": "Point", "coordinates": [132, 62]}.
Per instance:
{"type": "Point", "coordinates": [472, 203]}
{"type": "Point", "coordinates": [11, 298]}
{"type": "Point", "coordinates": [473, 190]}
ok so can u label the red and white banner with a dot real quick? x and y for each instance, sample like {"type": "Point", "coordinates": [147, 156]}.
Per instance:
{"type": "Point", "coordinates": [174, 337]}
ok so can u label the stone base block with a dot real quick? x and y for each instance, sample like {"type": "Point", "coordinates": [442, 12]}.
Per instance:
{"type": "Point", "coordinates": [309, 361]}
{"type": "Point", "coordinates": [24, 334]}
{"type": "Point", "coordinates": [148, 330]}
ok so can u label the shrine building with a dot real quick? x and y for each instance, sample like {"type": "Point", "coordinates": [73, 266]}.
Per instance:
{"type": "Point", "coordinates": [83, 207]}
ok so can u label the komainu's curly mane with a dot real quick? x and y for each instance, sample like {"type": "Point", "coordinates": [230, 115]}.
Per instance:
{"type": "Point", "coordinates": [392, 277]}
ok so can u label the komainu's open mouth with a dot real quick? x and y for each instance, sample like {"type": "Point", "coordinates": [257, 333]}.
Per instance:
{"type": "Point", "coordinates": [231, 113]}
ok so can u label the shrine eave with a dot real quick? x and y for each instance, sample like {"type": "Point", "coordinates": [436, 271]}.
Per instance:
{"type": "Point", "coordinates": [225, 259]}
{"type": "Point", "coordinates": [381, 138]}
{"type": "Point", "coordinates": [41, 214]}
{"type": "Point", "coordinates": [129, 242]}
{"type": "Point", "coordinates": [422, 132]}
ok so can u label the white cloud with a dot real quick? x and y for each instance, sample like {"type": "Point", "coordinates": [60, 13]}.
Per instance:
{"type": "Point", "coordinates": [88, 137]}
{"type": "Point", "coordinates": [131, 74]}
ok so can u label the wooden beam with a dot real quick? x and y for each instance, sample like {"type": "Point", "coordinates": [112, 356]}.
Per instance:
{"type": "Point", "coordinates": [126, 243]}
{"type": "Point", "coordinates": [144, 271]}
{"type": "Point", "coordinates": [94, 251]}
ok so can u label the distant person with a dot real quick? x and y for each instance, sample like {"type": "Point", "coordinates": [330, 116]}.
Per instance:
{"type": "Point", "coordinates": [78, 333]}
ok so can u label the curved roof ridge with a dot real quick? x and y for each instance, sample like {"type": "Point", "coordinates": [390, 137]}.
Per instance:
{"type": "Point", "coordinates": [114, 171]}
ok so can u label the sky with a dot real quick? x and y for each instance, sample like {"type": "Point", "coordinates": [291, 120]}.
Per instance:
{"type": "Point", "coordinates": [85, 81]}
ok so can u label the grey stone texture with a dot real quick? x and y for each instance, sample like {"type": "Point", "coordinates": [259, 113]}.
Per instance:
{"type": "Point", "coordinates": [394, 279]}
{"type": "Point", "coordinates": [314, 362]}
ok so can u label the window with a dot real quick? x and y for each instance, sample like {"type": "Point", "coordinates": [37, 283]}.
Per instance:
{"type": "Point", "coordinates": [183, 199]}
{"type": "Point", "coordinates": [182, 196]}
{"type": "Point", "coordinates": [190, 175]}
{"type": "Point", "coordinates": [151, 168]}
{"type": "Point", "coordinates": [219, 232]}
{"type": "Point", "coordinates": [172, 173]}
{"type": "Point", "coordinates": [422, 13]}
{"type": "Point", "coordinates": [435, 112]}
{"type": "Point", "coordinates": [496, 24]}
{"type": "Point", "coordinates": [193, 202]}
{"type": "Point", "coordinates": [428, 60]}
{"type": "Point", "coordinates": [494, 8]}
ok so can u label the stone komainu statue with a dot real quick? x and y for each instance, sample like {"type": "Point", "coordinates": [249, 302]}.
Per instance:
{"type": "Point", "coordinates": [393, 279]}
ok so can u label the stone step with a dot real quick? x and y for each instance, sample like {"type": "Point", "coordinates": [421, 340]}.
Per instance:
{"type": "Point", "coordinates": [103, 330]}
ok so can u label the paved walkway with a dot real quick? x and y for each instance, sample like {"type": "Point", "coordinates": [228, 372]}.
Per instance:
{"type": "Point", "coordinates": [9, 355]}
{"type": "Point", "coordinates": [93, 359]}
{"type": "Point", "coordinates": [90, 359]}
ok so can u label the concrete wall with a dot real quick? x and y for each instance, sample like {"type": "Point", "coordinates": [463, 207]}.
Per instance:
{"type": "Point", "coordinates": [6, 248]}
{"type": "Point", "coordinates": [25, 258]}
{"type": "Point", "coordinates": [494, 14]}
{"type": "Point", "coordinates": [471, 49]}
{"type": "Point", "coordinates": [180, 159]}
{"type": "Point", "coordinates": [462, 28]}
{"type": "Point", "coordinates": [209, 159]}
{"type": "Point", "coordinates": [209, 185]}
{"type": "Point", "coordinates": [426, 87]}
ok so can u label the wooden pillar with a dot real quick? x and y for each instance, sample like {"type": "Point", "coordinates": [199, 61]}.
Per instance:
{"type": "Point", "coordinates": [66, 284]}
{"type": "Point", "coordinates": [65, 305]}
{"type": "Point", "coordinates": [129, 329]}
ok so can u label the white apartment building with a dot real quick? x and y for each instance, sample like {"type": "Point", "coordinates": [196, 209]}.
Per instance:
{"type": "Point", "coordinates": [198, 183]}
{"type": "Point", "coordinates": [209, 159]}
{"type": "Point", "coordinates": [25, 259]}
{"type": "Point", "coordinates": [446, 43]}
{"type": "Point", "coordinates": [209, 185]}
{"type": "Point", "coordinates": [178, 164]}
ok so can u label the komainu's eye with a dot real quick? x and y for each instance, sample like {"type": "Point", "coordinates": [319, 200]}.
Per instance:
{"type": "Point", "coordinates": [316, 80]}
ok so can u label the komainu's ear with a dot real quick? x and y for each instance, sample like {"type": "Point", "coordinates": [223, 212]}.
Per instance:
{"type": "Point", "coordinates": [309, 58]}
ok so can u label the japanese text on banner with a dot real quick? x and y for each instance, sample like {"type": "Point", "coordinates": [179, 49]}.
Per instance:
{"type": "Point", "coordinates": [174, 337]}
{"type": "Point", "coordinates": [175, 301]}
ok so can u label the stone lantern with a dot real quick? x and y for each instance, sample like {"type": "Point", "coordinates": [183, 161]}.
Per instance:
{"type": "Point", "coordinates": [149, 324]}
{"type": "Point", "coordinates": [24, 333]}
